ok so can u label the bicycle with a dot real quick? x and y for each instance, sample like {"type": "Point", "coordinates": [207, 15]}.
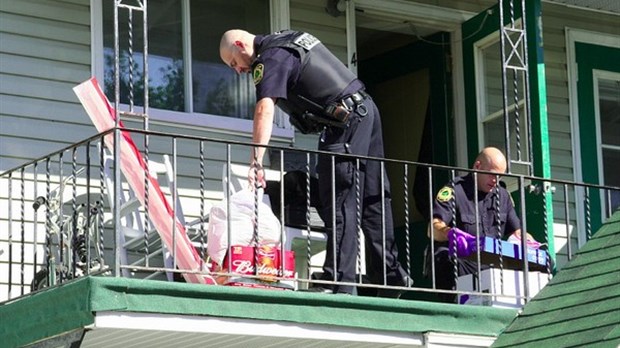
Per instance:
{"type": "Point", "coordinates": [69, 239]}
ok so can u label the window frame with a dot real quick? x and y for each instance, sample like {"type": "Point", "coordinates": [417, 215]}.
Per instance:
{"type": "Point", "coordinates": [279, 18]}
{"type": "Point", "coordinates": [596, 76]}
{"type": "Point", "coordinates": [574, 36]}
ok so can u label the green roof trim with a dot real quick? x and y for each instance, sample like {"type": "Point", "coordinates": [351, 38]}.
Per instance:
{"type": "Point", "coordinates": [581, 305]}
{"type": "Point", "coordinates": [46, 314]}
{"type": "Point", "coordinates": [74, 305]}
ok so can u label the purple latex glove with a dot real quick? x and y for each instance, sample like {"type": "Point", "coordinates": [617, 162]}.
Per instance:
{"type": "Point", "coordinates": [465, 243]}
{"type": "Point", "coordinates": [532, 244]}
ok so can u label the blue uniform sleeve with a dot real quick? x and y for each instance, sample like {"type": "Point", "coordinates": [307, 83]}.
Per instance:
{"type": "Point", "coordinates": [274, 72]}
{"type": "Point", "coordinates": [512, 220]}
{"type": "Point", "coordinates": [441, 205]}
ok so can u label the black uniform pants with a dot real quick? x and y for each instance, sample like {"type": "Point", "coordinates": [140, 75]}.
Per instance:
{"type": "Point", "coordinates": [357, 195]}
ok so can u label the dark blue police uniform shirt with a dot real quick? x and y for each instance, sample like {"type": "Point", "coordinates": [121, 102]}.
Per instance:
{"type": "Point", "coordinates": [281, 72]}
{"type": "Point", "coordinates": [281, 69]}
{"type": "Point", "coordinates": [463, 194]}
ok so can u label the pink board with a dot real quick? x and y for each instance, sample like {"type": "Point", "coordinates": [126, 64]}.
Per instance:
{"type": "Point", "coordinates": [133, 167]}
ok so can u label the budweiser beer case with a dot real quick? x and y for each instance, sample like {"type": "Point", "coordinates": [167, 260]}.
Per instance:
{"type": "Point", "coordinates": [270, 271]}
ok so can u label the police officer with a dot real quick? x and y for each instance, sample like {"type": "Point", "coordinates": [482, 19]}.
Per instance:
{"type": "Point", "coordinates": [296, 72]}
{"type": "Point", "coordinates": [455, 222]}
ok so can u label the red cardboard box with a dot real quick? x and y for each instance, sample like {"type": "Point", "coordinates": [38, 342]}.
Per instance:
{"type": "Point", "coordinates": [242, 261]}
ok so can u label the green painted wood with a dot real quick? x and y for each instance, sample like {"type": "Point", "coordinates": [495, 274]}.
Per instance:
{"type": "Point", "coordinates": [46, 314]}
{"type": "Point", "coordinates": [39, 316]}
{"type": "Point", "coordinates": [539, 209]}
{"type": "Point", "coordinates": [590, 57]}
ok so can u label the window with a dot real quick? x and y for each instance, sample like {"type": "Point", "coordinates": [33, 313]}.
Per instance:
{"type": "Point", "coordinates": [609, 118]}
{"type": "Point", "coordinates": [217, 89]}
{"type": "Point", "coordinates": [184, 67]}
{"type": "Point", "coordinates": [165, 47]}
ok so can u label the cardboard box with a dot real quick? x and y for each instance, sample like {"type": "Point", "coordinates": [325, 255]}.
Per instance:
{"type": "Point", "coordinates": [504, 287]}
{"type": "Point", "coordinates": [512, 257]}
{"type": "Point", "coordinates": [270, 266]}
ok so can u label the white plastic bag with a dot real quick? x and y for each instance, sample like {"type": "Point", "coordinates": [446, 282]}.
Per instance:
{"type": "Point", "coordinates": [241, 224]}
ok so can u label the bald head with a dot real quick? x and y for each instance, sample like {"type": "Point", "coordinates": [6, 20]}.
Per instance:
{"type": "Point", "coordinates": [490, 159]}
{"type": "Point", "coordinates": [237, 49]}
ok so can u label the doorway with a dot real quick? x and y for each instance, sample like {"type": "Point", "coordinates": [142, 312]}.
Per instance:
{"type": "Point", "coordinates": [409, 78]}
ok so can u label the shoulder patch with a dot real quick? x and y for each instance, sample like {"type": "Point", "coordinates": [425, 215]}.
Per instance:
{"type": "Point", "coordinates": [257, 73]}
{"type": "Point", "coordinates": [445, 194]}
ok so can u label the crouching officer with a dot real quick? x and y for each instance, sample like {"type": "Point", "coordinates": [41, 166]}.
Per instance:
{"type": "Point", "coordinates": [296, 72]}
{"type": "Point", "coordinates": [457, 228]}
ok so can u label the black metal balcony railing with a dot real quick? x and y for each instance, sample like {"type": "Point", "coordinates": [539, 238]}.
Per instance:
{"type": "Point", "coordinates": [61, 220]}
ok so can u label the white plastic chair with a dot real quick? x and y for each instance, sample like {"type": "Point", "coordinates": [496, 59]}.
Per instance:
{"type": "Point", "coordinates": [132, 224]}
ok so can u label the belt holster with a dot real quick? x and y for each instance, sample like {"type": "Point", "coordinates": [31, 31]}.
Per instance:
{"type": "Point", "coordinates": [342, 109]}
{"type": "Point", "coordinates": [339, 112]}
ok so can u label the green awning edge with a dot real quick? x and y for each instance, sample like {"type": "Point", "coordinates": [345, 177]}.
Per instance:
{"type": "Point", "coordinates": [74, 305]}
{"type": "Point", "coordinates": [46, 314]}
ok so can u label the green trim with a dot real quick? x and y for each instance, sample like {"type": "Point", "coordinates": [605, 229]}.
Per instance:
{"type": "Point", "coordinates": [46, 314]}
{"type": "Point", "coordinates": [70, 307]}
{"type": "Point", "coordinates": [540, 128]}
{"type": "Point", "coordinates": [590, 57]}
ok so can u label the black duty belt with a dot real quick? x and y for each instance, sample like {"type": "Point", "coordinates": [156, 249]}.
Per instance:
{"type": "Point", "coordinates": [342, 109]}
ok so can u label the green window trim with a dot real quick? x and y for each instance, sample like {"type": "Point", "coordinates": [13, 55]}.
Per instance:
{"type": "Point", "coordinates": [591, 57]}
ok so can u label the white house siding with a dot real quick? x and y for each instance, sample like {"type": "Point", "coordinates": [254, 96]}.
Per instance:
{"type": "Point", "coordinates": [45, 51]}
{"type": "Point", "coordinates": [310, 16]}
{"type": "Point", "coordinates": [556, 18]}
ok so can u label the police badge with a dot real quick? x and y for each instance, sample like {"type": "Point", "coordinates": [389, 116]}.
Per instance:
{"type": "Point", "coordinates": [445, 194]}
{"type": "Point", "coordinates": [257, 73]}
